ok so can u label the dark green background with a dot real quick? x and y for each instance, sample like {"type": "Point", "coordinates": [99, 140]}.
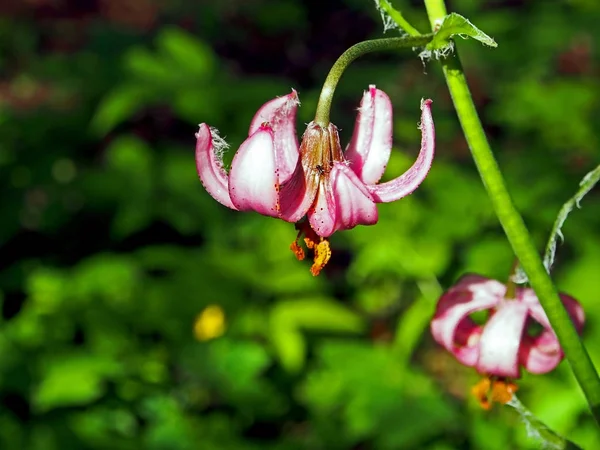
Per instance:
{"type": "Point", "coordinates": [110, 248]}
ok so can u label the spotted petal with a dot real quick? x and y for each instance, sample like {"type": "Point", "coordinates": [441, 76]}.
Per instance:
{"type": "Point", "coordinates": [369, 149]}
{"type": "Point", "coordinates": [406, 183]}
{"type": "Point", "coordinates": [322, 215]}
{"type": "Point", "coordinates": [209, 165]}
{"type": "Point", "coordinates": [253, 179]}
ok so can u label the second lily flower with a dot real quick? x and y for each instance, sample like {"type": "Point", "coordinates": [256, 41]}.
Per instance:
{"type": "Point", "coordinates": [273, 175]}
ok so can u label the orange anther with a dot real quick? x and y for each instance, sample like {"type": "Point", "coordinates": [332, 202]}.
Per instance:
{"type": "Point", "coordinates": [298, 251]}
{"type": "Point", "coordinates": [495, 390]}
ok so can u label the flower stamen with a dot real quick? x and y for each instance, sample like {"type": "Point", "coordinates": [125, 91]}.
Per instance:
{"type": "Point", "coordinates": [490, 390]}
{"type": "Point", "coordinates": [319, 245]}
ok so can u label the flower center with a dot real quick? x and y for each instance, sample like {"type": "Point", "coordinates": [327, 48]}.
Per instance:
{"type": "Point", "coordinates": [319, 150]}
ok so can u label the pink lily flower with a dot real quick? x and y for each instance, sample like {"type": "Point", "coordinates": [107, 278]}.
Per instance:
{"type": "Point", "coordinates": [502, 345]}
{"type": "Point", "coordinates": [335, 190]}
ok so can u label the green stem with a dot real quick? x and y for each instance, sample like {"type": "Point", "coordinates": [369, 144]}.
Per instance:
{"type": "Point", "coordinates": [397, 17]}
{"type": "Point", "coordinates": [360, 49]}
{"type": "Point", "coordinates": [513, 224]}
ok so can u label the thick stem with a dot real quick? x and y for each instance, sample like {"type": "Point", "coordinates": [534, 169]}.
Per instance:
{"type": "Point", "coordinates": [357, 50]}
{"type": "Point", "coordinates": [513, 224]}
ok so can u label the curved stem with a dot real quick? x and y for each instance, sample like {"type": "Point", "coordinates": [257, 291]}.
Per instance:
{"type": "Point", "coordinates": [362, 48]}
{"type": "Point", "coordinates": [513, 224]}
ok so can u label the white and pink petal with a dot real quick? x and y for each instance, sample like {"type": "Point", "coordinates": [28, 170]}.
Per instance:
{"type": "Point", "coordinates": [406, 183]}
{"type": "Point", "coordinates": [501, 340]}
{"type": "Point", "coordinates": [253, 178]}
{"type": "Point", "coordinates": [209, 164]}
{"type": "Point", "coordinates": [353, 203]}
{"type": "Point", "coordinates": [280, 114]}
{"type": "Point", "coordinates": [369, 149]}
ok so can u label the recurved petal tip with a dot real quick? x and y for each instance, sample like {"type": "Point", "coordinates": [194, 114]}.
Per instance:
{"type": "Point", "coordinates": [280, 114]}
{"type": "Point", "coordinates": [209, 148]}
{"type": "Point", "coordinates": [406, 183]}
{"type": "Point", "coordinates": [369, 149]}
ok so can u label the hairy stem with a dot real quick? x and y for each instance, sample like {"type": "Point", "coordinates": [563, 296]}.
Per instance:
{"type": "Point", "coordinates": [513, 224]}
{"type": "Point", "coordinates": [357, 50]}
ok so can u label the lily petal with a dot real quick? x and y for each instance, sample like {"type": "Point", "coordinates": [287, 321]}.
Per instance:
{"type": "Point", "coordinates": [451, 325]}
{"type": "Point", "coordinates": [369, 149]}
{"type": "Point", "coordinates": [253, 179]}
{"type": "Point", "coordinates": [353, 203]}
{"type": "Point", "coordinates": [540, 354]}
{"type": "Point", "coordinates": [322, 215]}
{"type": "Point", "coordinates": [280, 113]}
{"type": "Point", "coordinates": [501, 339]}
{"type": "Point", "coordinates": [543, 353]}
{"type": "Point", "coordinates": [210, 166]}
{"type": "Point", "coordinates": [412, 178]}
{"type": "Point", "coordinates": [572, 306]}
{"type": "Point", "coordinates": [297, 195]}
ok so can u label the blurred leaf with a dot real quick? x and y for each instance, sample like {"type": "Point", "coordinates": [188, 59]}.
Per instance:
{"type": "Point", "coordinates": [72, 379]}
{"type": "Point", "coordinates": [118, 106]}
{"type": "Point", "coordinates": [288, 318]}
{"type": "Point", "coordinates": [185, 52]}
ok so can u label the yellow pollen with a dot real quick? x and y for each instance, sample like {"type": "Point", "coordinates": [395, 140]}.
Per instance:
{"type": "Point", "coordinates": [322, 256]}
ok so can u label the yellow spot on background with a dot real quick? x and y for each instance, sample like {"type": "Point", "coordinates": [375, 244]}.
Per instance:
{"type": "Point", "coordinates": [210, 323]}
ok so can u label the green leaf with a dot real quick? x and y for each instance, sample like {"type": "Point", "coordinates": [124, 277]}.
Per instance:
{"type": "Point", "coordinates": [457, 25]}
{"type": "Point", "coordinates": [118, 106]}
{"type": "Point", "coordinates": [186, 52]}
{"type": "Point", "coordinates": [75, 379]}
{"type": "Point", "coordinates": [288, 318]}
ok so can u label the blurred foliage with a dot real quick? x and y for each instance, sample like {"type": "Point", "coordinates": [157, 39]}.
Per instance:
{"type": "Point", "coordinates": [139, 313]}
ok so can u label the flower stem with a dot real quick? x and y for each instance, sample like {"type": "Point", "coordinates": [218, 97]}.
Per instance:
{"type": "Point", "coordinates": [513, 224]}
{"type": "Point", "coordinates": [397, 17]}
{"type": "Point", "coordinates": [357, 50]}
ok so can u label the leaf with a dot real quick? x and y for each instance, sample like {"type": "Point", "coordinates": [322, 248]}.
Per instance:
{"type": "Point", "coordinates": [186, 52]}
{"type": "Point", "coordinates": [288, 318]}
{"type": "Point", "coordinates": [75, 379]}
{"type": "Point", "coordinates": [586, 185]}
{"type": "Point", "coordinates": [117, 107]}
{"type": "Point", "coordinates": [457, 25]}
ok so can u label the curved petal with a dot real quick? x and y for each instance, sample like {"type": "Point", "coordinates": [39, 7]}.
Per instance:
{"type": "Point", "coordinates": [298, 194]}
{"type": "Point", "coordinates": [451, 325]}
{"type": "Point", "coordinates": [209, 165]}
{"type": "Point", "coordinates": [253, 178]}
{"type": "Point", "coordinates": [369, 149]}
{"type": "Point", "coordinates": [501, 339]}
{"type": "Point", "coordinates": [541, 354]}
{"type": "Point", "coordinates": [280, 113]}
{"type": "Point", "coordinates": [353, 203]}
{"type": "Point", "coordinates": [528, 297]}
{"type": "Point", "coordinates": [322, 215]}
{"type": "Point", "coordinates": [412, 178]}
